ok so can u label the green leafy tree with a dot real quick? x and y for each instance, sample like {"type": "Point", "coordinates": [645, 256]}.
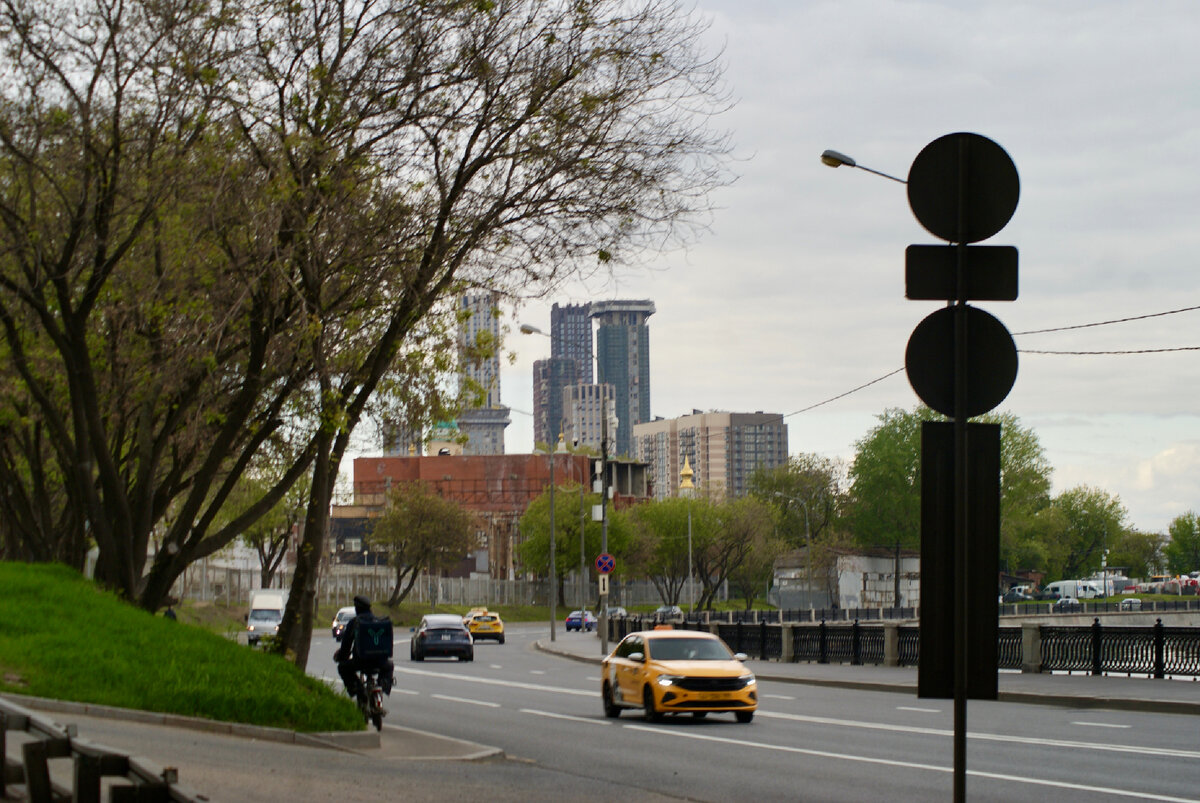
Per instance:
{"type": "Point", "coordinates": [806, 492]}
{"type": "Point", "coordinates": [742, 525]}
{"type": "Point", "coordinates": [1141, 554]}
{"type": "Point", "coordinates": [760, 547]}
{"type": "Point", "coordinates": [660, 529]}
{"type": "Point", "coordinates": [223, 224]}
{"type": "Point", "coordinates": [420, 531]}
{"type": "Point", "coordinates": [534, 549]}
{"type": "Point", "coordinates": [1084, 522]}
{"type": "Point", "coordinates": [1183, 550]}
{"type": "Point", "coordinates": [883, 504]}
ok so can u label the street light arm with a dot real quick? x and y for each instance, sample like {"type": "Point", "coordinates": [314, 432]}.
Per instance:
{"type": "Point", "coordinates": [833, 158]}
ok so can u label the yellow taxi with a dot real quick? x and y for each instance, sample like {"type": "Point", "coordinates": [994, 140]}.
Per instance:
{"type": "Point", "coordinates": [675, 672]}
{"type": "Point", "coordinates": [484, 624]}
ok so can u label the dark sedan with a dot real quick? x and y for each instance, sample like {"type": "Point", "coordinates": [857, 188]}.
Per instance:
{"type": "Point", "coordinates": [442, 635]}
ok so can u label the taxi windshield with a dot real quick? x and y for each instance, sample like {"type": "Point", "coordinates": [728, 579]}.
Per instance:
{"type": "Point", "coordinates": [688, 649]}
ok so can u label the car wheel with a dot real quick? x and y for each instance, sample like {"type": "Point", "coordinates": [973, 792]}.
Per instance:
{"type": "Point", "coordinates": [415, 657]}
{"type": "Point", "coordinates": [652, 713]}
{"type": "Point", "coordinates": [744, 716]}
{"type": "Point", "coordinates": [501, 639]}
{"type": "Point", "coordinates": [611, 709]}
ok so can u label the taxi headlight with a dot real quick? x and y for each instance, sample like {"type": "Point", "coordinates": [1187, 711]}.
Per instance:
{"type": "Point", "coordinates": [250, 628]}
{"type": "Point", "coordinates": [668, 680]}
{"type": "Point", "coordinates": [747, 679]}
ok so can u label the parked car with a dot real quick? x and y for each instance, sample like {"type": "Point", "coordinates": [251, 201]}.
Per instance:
{"type": "Point", "coordinates": [340, 620]}
{"type": "Point", "coordinates": [616, 612]}
{"type": "Point", "coordinates": [581, 620]}
{"type": "Point", "coordinates": [441, 635]}
{"type": "Point", "coordinates": [1131, 604]}
{"type": "Point", "coordinates": [668, 613]}
{"type": "Point", "coordinates": [1013, 595]}
{"type": "Point", "coordinates": [677, 672]}
{"type": "Point", "coordinates": [1047, 595]}
{"type": "Point", "coordinates": [1066, 605]}
{"type": "Point", "coordinates": [486, 625]}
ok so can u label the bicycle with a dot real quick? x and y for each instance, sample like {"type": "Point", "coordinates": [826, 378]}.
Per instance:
{"type": "Point", "coordinates": [370, 701]}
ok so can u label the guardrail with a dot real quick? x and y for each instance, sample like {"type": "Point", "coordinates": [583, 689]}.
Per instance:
{"type": "Point", "coordinates": [41, 740]}
{"type": "Point", "coordinates": [1156, 651]}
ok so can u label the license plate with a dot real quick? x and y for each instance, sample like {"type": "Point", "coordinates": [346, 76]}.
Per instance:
{"type": "Point", "coordinates": [445, 638]}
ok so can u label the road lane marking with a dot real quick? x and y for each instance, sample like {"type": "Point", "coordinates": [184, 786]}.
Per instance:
{"type": "Point", "coordinates": [1103, 790]}
{"type": "Point", "coordinates": [494, 666]}
{"type": "Point", "coordinates": [987, 737]}
{"type": "Point", "coordinates": [404, 691]}
{"type": "Point", "coordinates": [514, 684]}
{"type": "Point", "coordinates": [537, 671]}
{"type": "Point", "coordinates": [553, 715]}
{"type": "Point", "coordinates": [918, 710]}
{"type": "Point", "coordinates": [1101, 725]}
{"type": "Point", "coordinates": [777, 697]}
{"type": "Point", "coordinates": [484, 703]}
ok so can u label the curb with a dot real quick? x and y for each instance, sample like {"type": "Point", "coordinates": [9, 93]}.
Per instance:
{"type": "Point", "coordinates": [350, 741]}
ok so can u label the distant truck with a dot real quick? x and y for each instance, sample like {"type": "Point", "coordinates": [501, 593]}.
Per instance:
{"type": "Point", "coordinates": [266, 614]}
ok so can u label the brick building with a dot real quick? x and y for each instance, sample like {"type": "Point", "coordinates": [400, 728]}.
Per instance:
{"type": "Point", "coordinates": [497, 488]}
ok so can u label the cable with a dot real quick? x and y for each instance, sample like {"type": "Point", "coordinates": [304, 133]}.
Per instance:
{"type": "Point", "coordinates": [1104, 323]}
{"type": "Point", "coordinates": [843, 395]}
{"type": "Point", "coordinates": [1127, 351]}
{"type": "Point", "coordinates": [1036, 351]}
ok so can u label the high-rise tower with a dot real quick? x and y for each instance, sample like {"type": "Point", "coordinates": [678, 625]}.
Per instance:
{"type": "Point", "coordinates": [482, 423]}
{"type": "Point", "coordinates": [623, 361]}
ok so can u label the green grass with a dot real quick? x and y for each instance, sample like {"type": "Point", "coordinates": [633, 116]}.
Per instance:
{"type": "Point", "coordinates": [62, 637]}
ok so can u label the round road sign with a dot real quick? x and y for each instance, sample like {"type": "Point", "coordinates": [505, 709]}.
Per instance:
{"type": "Point", "coordinates": [605, 563]}
{"type": "Point", "coordinates": [991, 360]}
{"type": "Point", "coordinates": [963, 188]}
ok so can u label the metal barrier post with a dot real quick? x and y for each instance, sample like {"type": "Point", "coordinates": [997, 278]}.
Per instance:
{"type": "Point", "coordinates": [1160, 664]}
{"type": "Point", "coordinates": [1097, 642]}
{"type": "Point", "coordinates": [823, 648]}
{"type": "Point", "coordinates": [855, 647]}
{"type": "Point", "coordinates": [762, 640]}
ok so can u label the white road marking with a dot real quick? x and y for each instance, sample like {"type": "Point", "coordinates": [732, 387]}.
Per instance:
{"type": "Point", "coordinates": [988, 737]}
{"type": "Point", "coordinates": [553, 715]}
{"type": "Point", "coordinates": [515, 684]}
{"type": "Point", "coordinates": [777, 697]}
{"type": "Point", "coordinates": [483, 703]}
{"type": "Point", "coordinates": [404, 691]}
{"type": "Point", "coordinates": [593, 679]}
{"type": "Point", "coordinates": [1101, 725]}
{"type": "Point", "coordinates": [1103, 790]}
{"type": "Point", "coordinates": [494, 666]}
{"type": "Point", "coordinates": [919, 710]}
{"type": "Point", "coordinates": [537, 671]}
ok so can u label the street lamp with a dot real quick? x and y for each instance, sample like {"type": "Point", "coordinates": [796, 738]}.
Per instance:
{"type": "Point", "coordinates": [807, 544]}
{"type": "Point", "coordinates": [686, 489]}
{"type": "Point", "coordinates": [835, 159]}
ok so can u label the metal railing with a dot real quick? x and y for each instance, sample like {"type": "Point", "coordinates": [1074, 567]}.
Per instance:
{"type": "Point", "coordinates": [1156, 651]}
{"type": "Point", "coordinates": [42, 740]}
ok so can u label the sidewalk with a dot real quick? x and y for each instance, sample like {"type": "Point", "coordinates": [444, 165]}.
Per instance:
{"type": "Point", "coordinates": [1071, 691]}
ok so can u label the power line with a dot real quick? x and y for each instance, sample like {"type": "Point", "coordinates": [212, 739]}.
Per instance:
{"type": "Point", "coordinates": [1036, 351]}
{"type": "Point", "coordinates": [1104, 323]}
{"type": "Point", "coordinates": [1126, 351]}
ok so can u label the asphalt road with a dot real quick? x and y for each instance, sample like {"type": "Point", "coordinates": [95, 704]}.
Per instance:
{"type": "Point", "coordinates": [807, 743]}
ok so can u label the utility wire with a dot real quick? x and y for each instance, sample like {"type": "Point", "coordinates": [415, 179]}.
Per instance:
{"type": "Point", "coordinates": [1034, 351]}
{"type": "Point", "coordinates": [1104, 323]}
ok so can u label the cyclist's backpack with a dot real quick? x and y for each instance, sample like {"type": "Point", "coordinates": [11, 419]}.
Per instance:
{"type": "Point", "coordinates": [373, 639]}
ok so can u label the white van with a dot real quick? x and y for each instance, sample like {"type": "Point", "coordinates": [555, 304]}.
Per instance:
{"type": "Point", "coordinates": [1076, 589]}
{"type": "Point", "coordinates": [266, 614]}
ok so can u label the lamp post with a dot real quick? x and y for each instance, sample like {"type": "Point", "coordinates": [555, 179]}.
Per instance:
{"type": "Point", "coordinates": [686, 490]}
{"type": "Point", "coordinates": [807, 544]}
{"type": "Point", "coordinates": [530, 329]}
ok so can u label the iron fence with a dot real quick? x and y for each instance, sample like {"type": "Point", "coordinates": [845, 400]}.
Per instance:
{"type": "Point", "coordinates": [1155, 651]}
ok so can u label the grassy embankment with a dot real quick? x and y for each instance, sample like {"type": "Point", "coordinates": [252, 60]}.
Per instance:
{"type": "Point", "coordinates": [62, 637]}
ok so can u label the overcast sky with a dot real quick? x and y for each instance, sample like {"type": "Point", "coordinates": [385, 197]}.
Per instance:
{"type": "Point", "coordinates": [796, 295]}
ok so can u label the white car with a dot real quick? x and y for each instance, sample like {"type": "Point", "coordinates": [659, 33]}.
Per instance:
{"type": "Point", "coordinates": [340, 620]}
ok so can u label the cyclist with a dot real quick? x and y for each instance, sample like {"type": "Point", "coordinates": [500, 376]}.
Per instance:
{"type": "Point", "coordinates": [349, 659]}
